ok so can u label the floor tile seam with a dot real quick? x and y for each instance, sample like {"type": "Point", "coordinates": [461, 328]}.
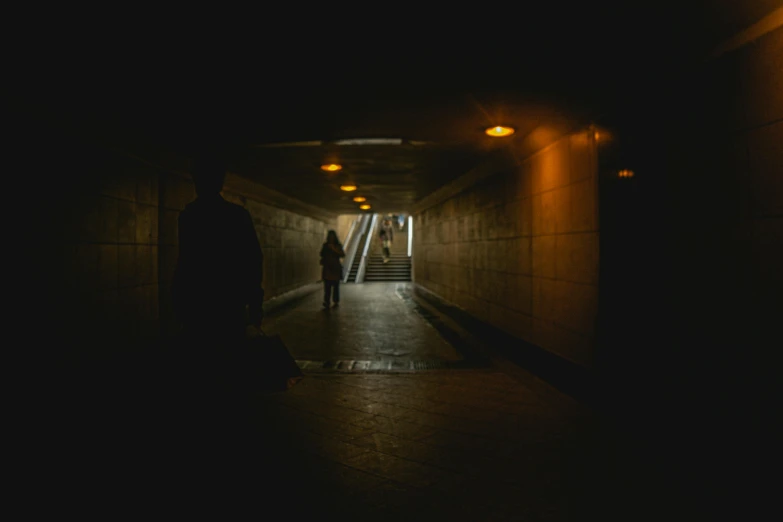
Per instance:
{"type": "Point", "coordinates": [322, 417]}
{"type": "Point", "coordinates": [473, 398]}
{"type": "Point", "coordinates": [502, 411]}
{"type": "Point", "coordinates": [465, 388]}
{"type": "Point", "coordinates": [385, 390]}
{"type": "Point", "coordinates": [367, 413]}
{"type": "Point", "coordinates": [413, 410]}
{"type": "Point", "coordinates": [415, 461]}
{"type": "Point", "coordinates": [497, 390]}
{"type": "Point", "coordinates": [384, 477]}
{"type": "Point", "coordinates": [376, 430]}
{"type": "Point", "coordinates": [451, 416]}
{"type": "Point", "coordinates": [464, 454]}
{"type": "Point", "coordinates": [469, 453]}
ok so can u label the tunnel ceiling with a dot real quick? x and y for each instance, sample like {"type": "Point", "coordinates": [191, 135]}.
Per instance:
{"type": "Point", "coordinates": [433, 84]}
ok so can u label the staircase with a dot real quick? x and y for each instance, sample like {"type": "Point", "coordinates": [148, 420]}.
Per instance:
{"type": "Point", "coordinates": [398, 269]}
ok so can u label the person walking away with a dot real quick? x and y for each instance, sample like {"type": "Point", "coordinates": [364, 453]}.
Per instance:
{"type": "Point", "coordinates": [386, 235]}
{"type": "Point", "coordinates": [332, 270]}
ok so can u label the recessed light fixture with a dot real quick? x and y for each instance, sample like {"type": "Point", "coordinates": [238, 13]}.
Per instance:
{"type": "Point", "coordinates": [359, 199]}
{"type": "Point", "coordinates": [331, 167]}
{"type": "Point", "coordinates": [499, 131]}
{"type": "Point", "coordinates": [348, 188]}
{"type": "Point", "coordinates": [365, 207]}
{"type": "Point", "coordinates": [625, 173]}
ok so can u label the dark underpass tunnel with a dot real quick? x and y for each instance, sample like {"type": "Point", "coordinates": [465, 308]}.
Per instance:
{"type": "Point", "coordinates": [572, 313]}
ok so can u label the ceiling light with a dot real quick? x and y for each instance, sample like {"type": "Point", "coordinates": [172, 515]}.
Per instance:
{"type": "Point", "coordinates": [625, 173]}
{"type": "Point", "coordinates": [359, 199]}
{"type": "Point", "coordinates": [499, 131]}
{"type": "Point", "coordinates": [348, 188]}
{"type": "Point", "coordinates": [331, 167]}
{"type": "Point", "coordinates": [365, 207]}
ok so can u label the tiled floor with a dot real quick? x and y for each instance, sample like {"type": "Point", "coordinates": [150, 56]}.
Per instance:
{"type": "Point", "coordinates": [474, 444]}
{"type": "Point", "coordinates": [485, 442]}
{"type": "Point", "coordinates": [445, 445]}
{"type": "Point", "coordinates": [374, 322]}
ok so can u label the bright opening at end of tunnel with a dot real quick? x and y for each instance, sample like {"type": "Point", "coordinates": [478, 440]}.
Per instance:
{"type": "Point", "coordinates": [499, 131]}
{"type": "Point", "coordinates": [348, 188]}
{"type": "Point", "coordinates": [370, 141]}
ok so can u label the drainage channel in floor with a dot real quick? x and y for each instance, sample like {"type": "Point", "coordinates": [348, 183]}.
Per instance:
{"type": "Point", "coordinates": [383, 366]}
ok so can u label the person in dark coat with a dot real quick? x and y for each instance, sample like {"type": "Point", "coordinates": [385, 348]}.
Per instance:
{"type": "Point", "coordinates": [332, 270]}
{"type": "Point", "coordinates": [217, 285]}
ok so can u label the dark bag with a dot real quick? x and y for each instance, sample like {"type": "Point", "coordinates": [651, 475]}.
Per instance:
{"type": "Point", "coordinates": [263, 363]}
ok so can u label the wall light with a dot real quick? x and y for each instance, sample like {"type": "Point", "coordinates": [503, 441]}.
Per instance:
{"type": "Point", "coordinates": [348, 188]}
{"type": "Point", "coordinates": [365, 207]}
{"type": "Point", "coordinates": [625, 173]}
{"type": "Point", "coordinates": [499, 131]}
{"type": "Point", "coordinates": [359, 199]}
{"type": "Point", "coordinates": [331, 167]}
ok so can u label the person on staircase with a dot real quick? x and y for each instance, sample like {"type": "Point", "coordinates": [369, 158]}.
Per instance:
{"type": "Point", "coordinates": [386, 235]}
{"type": "Point", "coordinates": [332, 270]}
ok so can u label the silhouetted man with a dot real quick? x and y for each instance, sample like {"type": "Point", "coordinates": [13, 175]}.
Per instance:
{"type": "Point", "coordinates": [217, 284]}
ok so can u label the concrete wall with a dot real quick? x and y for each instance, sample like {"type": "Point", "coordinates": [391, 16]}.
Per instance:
{"type": "Point", "coordinates": [113, 244]}
{"type": "Point", "coordinates": [344, 222]}
{"type": "Point", "coordinates": [519, 248]}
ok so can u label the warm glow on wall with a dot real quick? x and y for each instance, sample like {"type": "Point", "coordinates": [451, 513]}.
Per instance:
{"type": "Point", "coordinates": [348, 188]}
{"type": "Point", "coordinates": [359, 199]}
{"type": "Point", "coordinates": [499, 131]}
{"type": "Point", "coordinates": [625, 173]}
{"type": "Point", "coordinates": [331, 167]}
{"type": "Point", "coordinates": [601, 135]}
{"type": "Point", "coordinates": [365, 207]}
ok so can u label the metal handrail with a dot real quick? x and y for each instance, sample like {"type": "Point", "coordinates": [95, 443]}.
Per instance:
{"type": "Point", "coordinates": [363, 263]}
{"type": "Point", "coordinates": [352, 248]}
{"type": "Point", "coordinates": [347, 241]}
